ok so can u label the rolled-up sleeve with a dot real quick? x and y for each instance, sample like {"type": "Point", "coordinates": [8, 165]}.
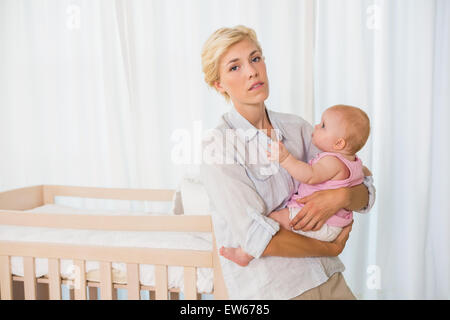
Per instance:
{"type": "Point", "coordinates": [233, 196]}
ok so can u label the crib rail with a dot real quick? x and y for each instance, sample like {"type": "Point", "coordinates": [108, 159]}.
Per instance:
{"type": "Point", "coordinates": [104, 222]}
{"type": "Point", "coordinates": [11, 202]}
{"type": "Point", "coordinates": [50, 191]}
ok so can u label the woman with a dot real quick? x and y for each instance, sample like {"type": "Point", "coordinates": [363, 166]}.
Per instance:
{"type": "Point", "coordinates": [244, 187]}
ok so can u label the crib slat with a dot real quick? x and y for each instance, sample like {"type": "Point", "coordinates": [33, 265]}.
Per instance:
{"type": "Point", "coordinates": [93, 293]}
{"type": "Point", "coordinates": [174, 295]}
{"type": "Point", "coordinates": [161, 282]}
{"type": "Point", "coordinates": [106, 287]}
{"type": "Point", "coordinates": [5, 278]}
{"type": "Point", "coordinates": [80, 280]}
{"type": "Point", "coordinates": [133, 285]}
{"type": "Point", "coordinates": [54, 276]}
{"type": "Point", "coordinates": [190, 283]}
{"type": "Point", "coordinates": [30, 278]}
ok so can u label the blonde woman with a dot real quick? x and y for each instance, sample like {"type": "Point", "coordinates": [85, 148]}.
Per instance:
{"type": "Point", "coordinates": [244, 187]}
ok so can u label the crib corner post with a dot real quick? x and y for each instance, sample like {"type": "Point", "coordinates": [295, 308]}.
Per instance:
{"type": "Point", "coordinates": [6, 292]}
{"type": "Point", "coordinates": [220, 290]}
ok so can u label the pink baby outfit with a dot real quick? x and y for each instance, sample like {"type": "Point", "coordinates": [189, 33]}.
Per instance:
{"type": "Point", "coordinates": [343, 217]}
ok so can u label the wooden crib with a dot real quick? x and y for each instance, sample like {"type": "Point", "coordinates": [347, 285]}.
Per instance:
{"type": "Point", "coordinates": [12, 204]}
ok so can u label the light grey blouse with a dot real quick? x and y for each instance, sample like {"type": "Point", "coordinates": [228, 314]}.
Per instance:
{"type": "Point", "coordinates": [243, 188]}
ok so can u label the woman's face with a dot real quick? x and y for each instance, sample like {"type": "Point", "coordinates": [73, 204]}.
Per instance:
{"type": "Point", "coordinates": [243, 74]}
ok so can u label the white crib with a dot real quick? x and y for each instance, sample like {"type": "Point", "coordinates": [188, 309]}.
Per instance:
{"type": "Point", "coordinates": [15, 207]}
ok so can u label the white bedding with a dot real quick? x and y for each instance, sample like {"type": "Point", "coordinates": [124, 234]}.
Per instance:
{"type": "Point", "coordinates": [165, 240]}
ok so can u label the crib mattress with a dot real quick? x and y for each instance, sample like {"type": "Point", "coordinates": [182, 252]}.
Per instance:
{"type": "Point", "coordinates": [163, 240]}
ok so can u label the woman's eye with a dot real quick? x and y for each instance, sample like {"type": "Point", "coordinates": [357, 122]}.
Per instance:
{"type": "Point", "coordinates": [256, 59]}
{"type": "Point", "coordinates": [323, 125]}
{"type": "Point", "coordinates": [234, 68]}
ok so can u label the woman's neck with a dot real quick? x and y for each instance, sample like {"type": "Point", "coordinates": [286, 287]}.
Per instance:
{"type": "Point", "coordinates": [255, 114]}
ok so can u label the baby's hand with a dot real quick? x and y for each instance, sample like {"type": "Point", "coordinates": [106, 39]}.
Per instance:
{"type": "Point", "coordinates": [277, 152]}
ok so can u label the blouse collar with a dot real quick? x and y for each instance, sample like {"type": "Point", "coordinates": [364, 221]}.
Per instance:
{"type": "Point", "coordinates": [246, 131]}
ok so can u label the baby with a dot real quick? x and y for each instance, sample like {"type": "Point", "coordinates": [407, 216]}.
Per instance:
{"type": "Point", "coordinates": [342, 132]}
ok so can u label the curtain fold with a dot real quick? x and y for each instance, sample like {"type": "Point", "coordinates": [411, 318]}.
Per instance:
{"type": "Point", "coordinates": [437, 248]}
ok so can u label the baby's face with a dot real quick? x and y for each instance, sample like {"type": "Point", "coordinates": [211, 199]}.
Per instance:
{"type": "Point", "coordinates": [328, 131]}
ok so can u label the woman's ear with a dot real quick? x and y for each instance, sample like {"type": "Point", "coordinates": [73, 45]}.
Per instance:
{"type": "Point", "coordinates": [218, 87]}
{"type": "Point", "coordinates": [340, 144]}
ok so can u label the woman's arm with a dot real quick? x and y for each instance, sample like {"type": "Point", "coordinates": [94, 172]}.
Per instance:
{"type": "Point", "coordinates": [289, 244]}
{"type": "Point", "coordinates": [321, 205]}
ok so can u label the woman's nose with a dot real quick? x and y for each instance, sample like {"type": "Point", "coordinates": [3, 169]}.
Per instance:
{"type": "Point", "coordinates": [252, 72]}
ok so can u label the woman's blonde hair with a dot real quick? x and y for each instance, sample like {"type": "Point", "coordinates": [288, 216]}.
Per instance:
{"type": "Point", "coordinates": [217, 44]}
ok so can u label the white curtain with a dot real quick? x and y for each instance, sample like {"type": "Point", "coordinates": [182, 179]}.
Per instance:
{"type": "Point", "coordinates": [95, 93]}
{"type": "Point", "coordinates": [391, 58]}
{"type": "Point", "coordinates": [92, 93]}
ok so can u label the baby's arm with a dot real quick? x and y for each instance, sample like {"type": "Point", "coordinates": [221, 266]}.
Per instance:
{"type": "Point", "coordinates": [324, 169]}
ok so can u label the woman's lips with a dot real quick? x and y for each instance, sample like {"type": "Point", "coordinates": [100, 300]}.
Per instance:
{"type": "Point", "coordinates": [256, 86]}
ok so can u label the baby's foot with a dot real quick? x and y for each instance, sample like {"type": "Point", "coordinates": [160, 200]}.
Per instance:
{"type": "Point", "coordinates": [237, 255]}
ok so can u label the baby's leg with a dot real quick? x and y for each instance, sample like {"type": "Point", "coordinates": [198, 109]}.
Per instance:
{"type": "Point", "coordinates": [282, 217]}
{"type": "Point", "coordinates": [237, 255]}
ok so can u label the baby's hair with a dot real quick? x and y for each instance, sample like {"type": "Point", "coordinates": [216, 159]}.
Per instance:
{"type": "Point", "coordinates": [357, 126]}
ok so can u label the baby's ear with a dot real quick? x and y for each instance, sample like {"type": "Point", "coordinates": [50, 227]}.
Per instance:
{"type": "Point", "coordinates": [340, 144]}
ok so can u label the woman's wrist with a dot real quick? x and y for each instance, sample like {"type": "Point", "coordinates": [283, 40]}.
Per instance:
{"type": "Point", "coordinates": [326, 249]}
{"type": "Point", "coordinates": [333, 250]}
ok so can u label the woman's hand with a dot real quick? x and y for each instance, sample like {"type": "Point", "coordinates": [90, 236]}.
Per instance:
{"type": "Point", "coordinates": [318, 208]}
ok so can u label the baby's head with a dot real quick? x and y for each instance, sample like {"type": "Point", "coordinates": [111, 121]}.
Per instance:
{"type": "Point", "coordinates": [343, 129]}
